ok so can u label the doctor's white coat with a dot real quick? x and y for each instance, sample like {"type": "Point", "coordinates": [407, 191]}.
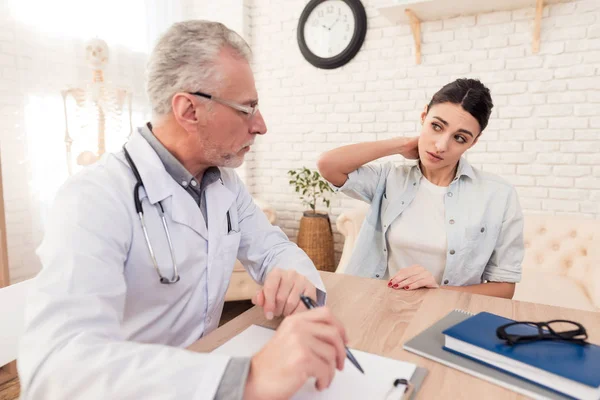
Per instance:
{"type": "Point", "coordinates": [99, 324]}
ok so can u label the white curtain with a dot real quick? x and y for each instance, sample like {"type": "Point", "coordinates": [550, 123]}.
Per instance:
{"type": "Point", "coordinates": [45, 41]}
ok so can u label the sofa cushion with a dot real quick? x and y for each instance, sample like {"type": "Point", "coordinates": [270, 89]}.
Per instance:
{"type": "Point", "coordinates": [561, 249]}
{"type": "Point", "coordinates": [539, 286]}
{"type": "Point", "coordinates": [558, 244]}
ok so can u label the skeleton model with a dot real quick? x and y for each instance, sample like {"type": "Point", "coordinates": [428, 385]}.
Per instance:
{"type": "Point", "coordinates": [96, 111]}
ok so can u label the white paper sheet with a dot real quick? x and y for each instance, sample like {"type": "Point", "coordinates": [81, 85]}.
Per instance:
{"type": "Point", "coordinates": [375, 384]}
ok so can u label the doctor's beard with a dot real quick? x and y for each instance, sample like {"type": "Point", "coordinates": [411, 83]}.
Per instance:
{"type": "Point", "coordinates": [234, 160]}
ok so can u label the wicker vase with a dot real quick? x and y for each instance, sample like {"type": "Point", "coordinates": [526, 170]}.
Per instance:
{"type": "Point", "coordinates": [316, 239]}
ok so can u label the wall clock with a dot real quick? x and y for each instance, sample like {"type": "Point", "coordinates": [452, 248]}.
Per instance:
{"type": "Point", "coordinates": [331, 32]}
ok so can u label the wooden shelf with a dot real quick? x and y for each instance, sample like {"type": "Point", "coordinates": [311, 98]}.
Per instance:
{"type": "Point", "coordinates": [414, 12]}
{"type": "Point", "coordinates": [433, 10]}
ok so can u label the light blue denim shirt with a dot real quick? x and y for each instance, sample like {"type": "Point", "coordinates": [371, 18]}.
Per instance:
{"type": "Point", "coordinates": [484, 222]}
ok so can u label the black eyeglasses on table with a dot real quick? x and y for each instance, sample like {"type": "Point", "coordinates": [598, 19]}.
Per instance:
{"type": "Point", "coordinates": [558, 329]}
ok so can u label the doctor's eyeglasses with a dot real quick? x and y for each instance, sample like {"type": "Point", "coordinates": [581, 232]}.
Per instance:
{"type": "Point", "coordinates": [249, 111]}
{"type": "Point", "coordinates": [558, 329]}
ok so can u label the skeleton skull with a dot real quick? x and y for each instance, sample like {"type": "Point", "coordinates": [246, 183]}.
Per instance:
{"type": "Point", "coordinates": [96, 53]}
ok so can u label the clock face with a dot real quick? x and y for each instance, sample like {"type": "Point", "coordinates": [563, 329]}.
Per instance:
{"type": "Point", "coordinates": [331, 32]}
{"type": "Point", "coordinates": [329, 28]}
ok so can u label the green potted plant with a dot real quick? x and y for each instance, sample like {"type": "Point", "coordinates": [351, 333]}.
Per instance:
{"type": "Point", "coordinates": [315, 236]}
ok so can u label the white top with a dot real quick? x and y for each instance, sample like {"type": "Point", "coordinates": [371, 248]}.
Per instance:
{"type": "Point", "coordinates": [418, 235]}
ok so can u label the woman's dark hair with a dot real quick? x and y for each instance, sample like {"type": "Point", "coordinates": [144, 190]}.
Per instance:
{"type": "Point", "coordinates": [471, 94]}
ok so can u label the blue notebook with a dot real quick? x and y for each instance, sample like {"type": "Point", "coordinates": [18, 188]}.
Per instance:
{"type": "Point", "coordinates": [569, 368]}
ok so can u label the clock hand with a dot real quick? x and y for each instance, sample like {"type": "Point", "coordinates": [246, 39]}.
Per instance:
{"type": "Point", "coordinates": [336, 21]}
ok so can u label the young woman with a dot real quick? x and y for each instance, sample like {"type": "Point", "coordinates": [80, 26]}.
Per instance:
{"type": "Point", "coordinates": [440, 222]}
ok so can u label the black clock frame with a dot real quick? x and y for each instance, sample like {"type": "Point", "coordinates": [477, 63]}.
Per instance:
{"type": "Point", "coordinates": [358, 36]}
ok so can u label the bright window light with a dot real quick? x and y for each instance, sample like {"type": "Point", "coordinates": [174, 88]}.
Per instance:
{"type": "Point", "coordinates": [118, 22]}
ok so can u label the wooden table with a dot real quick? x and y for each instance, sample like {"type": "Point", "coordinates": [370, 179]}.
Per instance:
{"type": "Point", "coordinates": [380, 320]}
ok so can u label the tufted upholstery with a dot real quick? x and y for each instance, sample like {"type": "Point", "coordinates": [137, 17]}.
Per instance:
{"type": "Point", "coordinates": [561, 265]}
{"type": "Point", "coordinates": [242, 286]}
{"type": "Point", "coordinates": [562, 262]}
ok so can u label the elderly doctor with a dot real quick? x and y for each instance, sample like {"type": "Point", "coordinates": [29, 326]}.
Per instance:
{"type": "Point", "coordinates": [118, 298]}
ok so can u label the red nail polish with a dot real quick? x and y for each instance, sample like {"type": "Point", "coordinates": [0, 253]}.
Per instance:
{"type": "Point", "coordinates": [405, 287]}
{"type": "Point", "coordinates": [395, 286]}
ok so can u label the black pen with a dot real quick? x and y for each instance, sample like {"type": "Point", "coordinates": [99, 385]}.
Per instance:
{"type": "Point", "coordinates": [310, 304]}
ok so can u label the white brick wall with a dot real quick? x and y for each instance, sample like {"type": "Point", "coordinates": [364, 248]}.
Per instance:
{"type": "Point", "coordinates": [544, 135]}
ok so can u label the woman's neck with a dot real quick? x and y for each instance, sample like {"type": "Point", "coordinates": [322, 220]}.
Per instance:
{"type": "Point", "coordinates": [440, 177]}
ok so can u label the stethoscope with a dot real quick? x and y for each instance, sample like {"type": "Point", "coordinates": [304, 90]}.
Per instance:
{"type": "Point", "coordinates": [161, 212]}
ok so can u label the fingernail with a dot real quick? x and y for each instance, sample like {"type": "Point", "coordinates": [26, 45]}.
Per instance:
{"type": "Point", "coordinates": [269, 315]}
{"type": "Point", "coordinates": [389, 284]}
{"type": "Point", "coordinates": [405, 287]}
{"type": "Point", "coordinates": [395, 286]}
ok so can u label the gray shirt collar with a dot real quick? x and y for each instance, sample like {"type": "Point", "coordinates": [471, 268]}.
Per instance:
{"type": "Point", "coordinates": [174, 168]}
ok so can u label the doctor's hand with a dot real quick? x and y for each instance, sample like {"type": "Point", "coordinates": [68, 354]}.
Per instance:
{"type": "Point", "coordinates": [280, 295]}
{"type": "Point", "coordinates": [306, 345]}
{"type": "Point", "coordinates": [413, 277]}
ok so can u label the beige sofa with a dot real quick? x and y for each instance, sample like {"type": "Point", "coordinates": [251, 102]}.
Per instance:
{"type": "Point", "coordinates": [561, 265]}
{"type": "Point", "coordinates": [242, 286]}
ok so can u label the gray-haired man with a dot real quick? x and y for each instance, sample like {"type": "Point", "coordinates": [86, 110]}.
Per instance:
{"type": "Point", "coordinates": [121, 294]}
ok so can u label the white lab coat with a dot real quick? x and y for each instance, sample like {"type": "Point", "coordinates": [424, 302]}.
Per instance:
{"type": "Point", "coordinates": [99, 325]}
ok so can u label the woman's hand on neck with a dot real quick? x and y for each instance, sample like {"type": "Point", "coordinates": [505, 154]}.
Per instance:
{"type": "Point", "coordinates": [439, 177]}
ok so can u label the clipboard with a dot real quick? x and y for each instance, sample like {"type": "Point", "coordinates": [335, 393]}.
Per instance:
{"type": "Point", "coordinates": [377, 383]}
{"type": "Point", "coordinates": [412, 387]}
